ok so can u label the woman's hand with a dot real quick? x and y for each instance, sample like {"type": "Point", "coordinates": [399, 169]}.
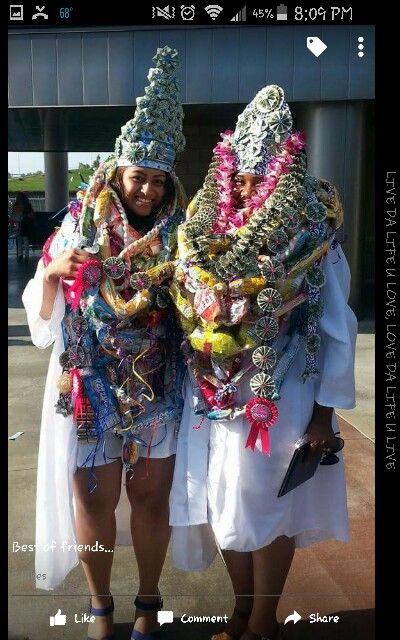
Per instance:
{"type": "Point", "coordinates": [320, 430]}
{"type": "Point", "coordinates": [66, 265]}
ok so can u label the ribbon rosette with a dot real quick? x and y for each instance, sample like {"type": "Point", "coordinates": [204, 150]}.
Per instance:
{"type": "Point", "coordinates": [261, 414]}
{"type": "Point", "coordinates": [88, 275]}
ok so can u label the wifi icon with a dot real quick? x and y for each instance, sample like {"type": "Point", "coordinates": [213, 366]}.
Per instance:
{"type": "Point", "coordinates": [213, 10]}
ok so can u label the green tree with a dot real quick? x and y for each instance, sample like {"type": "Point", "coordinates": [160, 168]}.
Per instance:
{"type": "Point", "coordinates": [96, 162]}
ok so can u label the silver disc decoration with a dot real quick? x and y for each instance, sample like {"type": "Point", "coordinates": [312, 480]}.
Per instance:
{"type": "Point", "coordinates": [269, 300]}
{"type": "Point", "coordinates": [140, 281]}
{"type": "Point", "coordinates": [272, 269]}
{"type": "Point", "coordinates": [269, 100]}
{"type": "Point", "coordinates": [290, 219]}
{"type": "Point", "coordinates": [64, 360]}
{"type": "Point", "coordinates": [315, 211]}
{"type": "Point", "coordinates": [79, 325]}
{"type": "Point", "coordinates": [313, 344]}
{"type": "Point", "coordinates": [266, 328]}
{"type": "Point", "coordinates": [76, 355]}
{"type": "Point", "coordinates": [277, 241]}
{"type": "Point", "coordinates": [114, 267]}
{"type": "Point", "coordinates": [264, 357]}
{"type": "Point", "coordinates": [163, 298]}
{"type": "Point", "coordinates": [315, 277]}
{"type": "Point", "coordinates": [262, 385]}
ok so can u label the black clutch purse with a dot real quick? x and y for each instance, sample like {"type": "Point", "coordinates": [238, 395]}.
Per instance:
{"type": "Point", "coordinates": [302, 467]}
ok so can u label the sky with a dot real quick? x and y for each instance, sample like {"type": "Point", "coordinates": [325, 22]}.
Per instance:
{"type": "Point", "coordinates": [30, 162]}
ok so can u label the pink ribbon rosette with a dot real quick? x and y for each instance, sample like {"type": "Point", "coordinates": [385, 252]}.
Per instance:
{"type": "Point", "coordinates": [261, 414]}
{"type": "Point", "coordinates": [89, 274]}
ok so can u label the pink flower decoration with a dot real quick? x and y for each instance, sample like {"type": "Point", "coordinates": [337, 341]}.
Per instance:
{"type": "Point", "coordinates": [228, 218]}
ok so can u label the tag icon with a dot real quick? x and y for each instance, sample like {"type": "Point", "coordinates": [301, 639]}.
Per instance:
{"type": "Point", "coordinates": [316, 46]}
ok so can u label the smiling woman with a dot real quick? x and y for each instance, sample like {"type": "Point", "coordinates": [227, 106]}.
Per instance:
{"type": "Point", "coordinates": [100, 293]}
{"type": "Point", "coordinates": [143, 191]}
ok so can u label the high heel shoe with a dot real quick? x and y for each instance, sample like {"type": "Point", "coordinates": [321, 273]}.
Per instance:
{"type": "Point", "coordinates": [224, 635]}
{"type": "Point", "coordinates": [105, 611]}
{"type": "Point", "coordinates": [147, 606]}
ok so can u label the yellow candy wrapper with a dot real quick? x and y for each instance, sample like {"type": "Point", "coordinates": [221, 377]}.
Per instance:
{"type": "Point", "coordinates": [219, 344]}
{"type": "Point", "coordinates": [161, 272]}
{"type": "Point", "coordinates": [182, 304]}
{"type": "Point", "coordinates": [244, 338]}
{"type": "Point", "coordinates": [247, 286]}
{"type": "Point", "coordinates": [102, 208]}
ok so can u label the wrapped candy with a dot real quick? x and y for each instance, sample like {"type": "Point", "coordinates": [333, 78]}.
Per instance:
{"type": "Point", "coordinates": [207, 304]}
{"type": "Point", "coordinates": [237, 309]}
{"type": "Point", "coordinates": [218, 343]}
{"type": "Point", "coordinates": [247, 286]}
{"type": "Point", "coordinates": [183, 305]}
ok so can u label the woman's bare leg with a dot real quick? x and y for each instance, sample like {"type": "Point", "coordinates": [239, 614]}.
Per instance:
{"type": "Point", "coordinates": [240, 569]}
{"type": "Point", "coordinates": [149, 498]}
{"type": "Point", "coordinates": [271, 565]}
{"type": "Point", "coordinates": [95, 521]}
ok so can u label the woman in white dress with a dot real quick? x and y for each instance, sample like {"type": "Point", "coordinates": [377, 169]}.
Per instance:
{"type": "Point", "coordinates": [113, 392]}
{"type": "Point", "coordinates": [262, 289]}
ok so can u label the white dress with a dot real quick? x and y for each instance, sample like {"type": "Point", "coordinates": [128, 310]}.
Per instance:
{"type": "Point", "coordinates": [226, 493]}
{"type": "Point", "coordinates": [58, 450]}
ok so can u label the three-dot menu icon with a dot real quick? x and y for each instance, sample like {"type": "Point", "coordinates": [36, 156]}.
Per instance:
{"type": "Point", "coordinates": [360, 47]}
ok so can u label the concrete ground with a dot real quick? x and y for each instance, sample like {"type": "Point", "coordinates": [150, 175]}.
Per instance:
{"type": "Point", "coordinates": [329, 577]}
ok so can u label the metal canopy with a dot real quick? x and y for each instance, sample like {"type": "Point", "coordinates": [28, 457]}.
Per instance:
{"type": "Point", "coordinates": [94, 128]}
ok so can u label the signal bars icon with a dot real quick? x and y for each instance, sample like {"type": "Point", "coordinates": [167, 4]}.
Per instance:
{"type": "Point", "coordinates": [240, 16]}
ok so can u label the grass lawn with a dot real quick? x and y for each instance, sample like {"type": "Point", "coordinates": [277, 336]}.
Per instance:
{"type": "Point", "coordinates": [36, 183]}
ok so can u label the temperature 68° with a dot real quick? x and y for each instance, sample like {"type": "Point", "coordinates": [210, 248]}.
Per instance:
{"type": "Point", "coordinates": [65, 12]}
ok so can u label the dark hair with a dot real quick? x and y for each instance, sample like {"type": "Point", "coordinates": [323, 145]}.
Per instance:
{"type": "Point", "coordinates": [118, 185]}
{"type": "Point", "coordinates": [22, 199]}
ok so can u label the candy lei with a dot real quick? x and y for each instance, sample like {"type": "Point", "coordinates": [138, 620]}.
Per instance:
{"type": "Point", "coordinates": [267, 269]}
{"type": "Point", "coordinates": [95, 211]}
{"type": "Point", "coordinates": [114, 364]}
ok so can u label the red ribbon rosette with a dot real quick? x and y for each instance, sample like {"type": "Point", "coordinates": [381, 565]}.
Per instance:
{"type": "Point", "coordinates": [261, 414]}
{"type": "Point", "coordinates": [89, 274]}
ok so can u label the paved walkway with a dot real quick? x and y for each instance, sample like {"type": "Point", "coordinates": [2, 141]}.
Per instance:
{"type": "Point", "coordinates": [329, 578]}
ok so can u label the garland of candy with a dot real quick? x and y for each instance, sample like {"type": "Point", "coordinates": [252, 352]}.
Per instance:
{"type": "Point", "coordinates": [258, 268]}
{"type": "Point", "coordinates": [94, 293]}
{"type": "Point", "coordinates": [92, 207]}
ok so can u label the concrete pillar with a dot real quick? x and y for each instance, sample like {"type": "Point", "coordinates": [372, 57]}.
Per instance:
{"type": "Point", "coordinates": [55, 159]}
{"type": "Point", "coordinates": [56, 179]}
{"type": "Point", "coordinates": [336, 138]}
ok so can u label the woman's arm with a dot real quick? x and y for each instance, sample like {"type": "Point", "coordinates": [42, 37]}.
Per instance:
{"type": "Point", "coordinates": [338, 328]}
{"type": "Point", "coordinates": [65, 266]}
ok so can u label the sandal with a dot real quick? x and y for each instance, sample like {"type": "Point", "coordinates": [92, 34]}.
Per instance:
{"type": "Point", "coordinates": [237, 613]}
{"type": "Point", "coordinates": [147, 606]}
{"type": "Point", "coordinates": [106, 611]}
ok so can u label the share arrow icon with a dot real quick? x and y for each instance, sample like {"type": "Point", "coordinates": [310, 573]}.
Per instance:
{"type": "Point", "coordinates": [294, 617]}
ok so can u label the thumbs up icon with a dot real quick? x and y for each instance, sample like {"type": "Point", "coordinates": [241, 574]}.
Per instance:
{"type": "Point", "coordinates": [59, 620]}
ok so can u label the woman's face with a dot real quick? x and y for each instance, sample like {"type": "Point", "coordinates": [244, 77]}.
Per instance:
{"type": "Point", "coordinates": [245, 186]}
{"type": "Point", "coordinates": [144, 189]}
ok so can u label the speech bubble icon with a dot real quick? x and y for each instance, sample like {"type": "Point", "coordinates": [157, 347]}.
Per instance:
{"type": "Point", "coordinates": [165, 617]}
{"type": "Point", "coordinates": [316, 46]}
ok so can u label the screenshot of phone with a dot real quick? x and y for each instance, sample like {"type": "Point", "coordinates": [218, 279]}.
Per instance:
{"type": "Point", "coordinates": [190, 188]}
